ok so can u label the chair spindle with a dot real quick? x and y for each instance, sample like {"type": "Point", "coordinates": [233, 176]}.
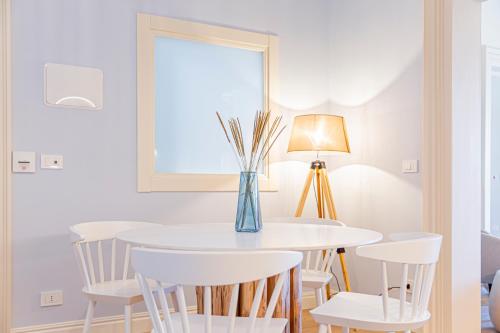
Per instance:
{"type": "Point", "coordinates": [90, 263]}
{"type": "Point", "coordinates": [100, 261]}
{"type": "Point", "coordinates": [385, 287]}
{"type": "Point", "coordinates": [113, 259]}
{"type": "Point", "coordinates": [402, 292]}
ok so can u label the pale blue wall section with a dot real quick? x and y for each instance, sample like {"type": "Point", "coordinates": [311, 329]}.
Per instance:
{"type": "Point", "coordinates": [193, 80]}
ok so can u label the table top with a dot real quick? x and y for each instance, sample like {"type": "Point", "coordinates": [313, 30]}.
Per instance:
{"type": "Point", "coordinates": [273, 236]}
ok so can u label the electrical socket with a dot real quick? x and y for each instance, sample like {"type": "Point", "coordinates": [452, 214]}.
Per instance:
{"type": "Point", "coordinates": [51, 298]}
{"type": "Point", "coordinates": [409, 286]}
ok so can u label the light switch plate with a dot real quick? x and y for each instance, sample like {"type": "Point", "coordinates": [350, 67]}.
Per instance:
{"type": "Point", "coordinates": [409, 166]}
{"type": "Point", "coordinates": [51, 161]}
{"type": "Point", "coordinates": [23, 162]}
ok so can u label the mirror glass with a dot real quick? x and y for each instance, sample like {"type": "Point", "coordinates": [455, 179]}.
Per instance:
{"type": "Point", "coordinates": [194, 80]}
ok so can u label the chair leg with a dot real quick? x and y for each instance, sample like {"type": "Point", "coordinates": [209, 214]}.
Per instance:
{"type": "Point", "coordinates": [88, 317]}
{"type": "Point", "coordinates": [128, 319]}
{"type": "Point", "coordinates": [319, 296]}
{"type": "Point", "coordinates": [320, 299]}
{"type": "Point", "coordinates": [325, 294]}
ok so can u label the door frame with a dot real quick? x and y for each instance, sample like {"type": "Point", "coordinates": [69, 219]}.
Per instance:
{"type": "Point", "coordinates": [451, 159]}
{"type": "Point", "coordinates": [5, 153]}
{"type": "Point", "coordinates": [491, 58]}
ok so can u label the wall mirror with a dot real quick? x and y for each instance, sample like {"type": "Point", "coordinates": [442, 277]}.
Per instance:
{"type": "Point", "coordinates": [186, 72]}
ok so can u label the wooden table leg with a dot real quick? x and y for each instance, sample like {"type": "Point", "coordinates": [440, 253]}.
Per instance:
{"type": "Point", "coordinates": [199, 300]}
{"type": "Point", "coordinates": [289, 304]}
{"type": "Point", "coordinates": [221, 299]}
{"type": "Point", "coordinates": [295, 317]}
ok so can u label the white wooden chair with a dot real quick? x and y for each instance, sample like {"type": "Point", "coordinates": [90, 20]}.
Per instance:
{"type": "Point", "coordinates": [89, 239]}
{"type": "Point", "coordinates": [316, 273]}
{"type": "Point", "coordinates": [209, 269]}
{"type": "Point", "coordinates": [383, 313]}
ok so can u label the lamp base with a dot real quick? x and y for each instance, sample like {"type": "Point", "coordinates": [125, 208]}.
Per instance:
{"type": "Point", "coordinates": [323, 191]}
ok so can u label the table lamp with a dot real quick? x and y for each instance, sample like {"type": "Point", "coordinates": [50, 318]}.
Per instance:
{"type": "Point", "coordinates": [320, 133]}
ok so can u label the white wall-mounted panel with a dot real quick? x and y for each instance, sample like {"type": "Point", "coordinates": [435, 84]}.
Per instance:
{"type": "Point", "coordinates": [73, 86]}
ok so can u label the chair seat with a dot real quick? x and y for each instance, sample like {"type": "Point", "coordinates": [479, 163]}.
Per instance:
{"type": "Point", "coordinates": [365, 312]}
{"type": "Point", "coordinates": [315, 279]}
{"type": "Point", "coordinates": [118, 291]}
{"type": "Point", "coordinates": [221, 323]}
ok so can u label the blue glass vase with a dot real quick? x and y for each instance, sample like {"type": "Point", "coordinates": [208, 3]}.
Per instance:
{"type": "Point", "coordinates": [248, 217]}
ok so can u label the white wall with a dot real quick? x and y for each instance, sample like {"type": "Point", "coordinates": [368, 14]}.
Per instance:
{"type": "Point", "coordinates": [490, 23]}
{"type": "Point", "coordinates": [354, 57]}
{"type": "Point", "coordinates": [375, 81]}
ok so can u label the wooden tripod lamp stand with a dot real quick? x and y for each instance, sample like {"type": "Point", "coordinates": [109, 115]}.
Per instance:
{"type": "Point", "coordinates": [317, 133]}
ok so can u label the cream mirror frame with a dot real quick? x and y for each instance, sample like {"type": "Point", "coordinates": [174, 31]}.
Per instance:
{"type": "Point", "coordinates": [149, 28]}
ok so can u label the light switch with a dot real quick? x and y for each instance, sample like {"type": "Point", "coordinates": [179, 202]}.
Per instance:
{"type": "Point", "coordinates": [51, 161]}
{"type": "Point", "coordinates": [23, 161]}
{"type": "Point", "coordinates": [410, 166]}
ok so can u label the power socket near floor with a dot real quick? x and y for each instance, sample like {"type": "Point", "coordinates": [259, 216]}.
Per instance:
{"type": "Point", "coordinates": [409, 286]}
{"type": "Point", "coordinates": [51, 298]}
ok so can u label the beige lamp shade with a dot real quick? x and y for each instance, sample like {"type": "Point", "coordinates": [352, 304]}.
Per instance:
{"type": "Point", "coordinates": [319, 132]}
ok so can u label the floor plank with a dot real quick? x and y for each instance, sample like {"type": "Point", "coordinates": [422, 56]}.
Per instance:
{"type": "Point", "coordinates": [309, 325]}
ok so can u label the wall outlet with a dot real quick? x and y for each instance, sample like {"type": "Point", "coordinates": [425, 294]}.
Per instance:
{"type": "Point", "coordinates": [51, 161]}
{"type": "Point", "coordinates": [409, 286]}
{"type": "Point", "coordinates": [51, 298]}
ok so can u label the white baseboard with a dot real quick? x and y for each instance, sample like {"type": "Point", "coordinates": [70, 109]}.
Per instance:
{"type": "Point", "coordinates": [114, 324]}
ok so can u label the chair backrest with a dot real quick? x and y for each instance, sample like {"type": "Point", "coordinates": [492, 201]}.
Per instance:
{"type": "Point", "coordinates": [89, 239]}
{"type": "Point", "coordinates": [207, 269]}
{"type": "Point", "coordinates": [319, 260]}
{"type": "Point", "coordinates": [419, 250]}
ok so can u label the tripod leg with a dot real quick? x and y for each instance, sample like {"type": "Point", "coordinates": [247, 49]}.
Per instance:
{"type": "Point", "coordinates": [319, 191]}
{"type": "Point", "coordinates": [345, 273]}
{"type": "Point", "coordinates": [328, 195]}
{"type": "Point", "coordinates": [305, 191]}
{"type": "Point", "coordinates": [333, 215]}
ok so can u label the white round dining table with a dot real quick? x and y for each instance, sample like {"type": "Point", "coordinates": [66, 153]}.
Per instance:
{"type": "Point", "coordinates": [273, 236]}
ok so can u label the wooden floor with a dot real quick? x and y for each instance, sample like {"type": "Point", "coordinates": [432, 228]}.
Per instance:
{"type": "Point", "coordinates": [309, 325]}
